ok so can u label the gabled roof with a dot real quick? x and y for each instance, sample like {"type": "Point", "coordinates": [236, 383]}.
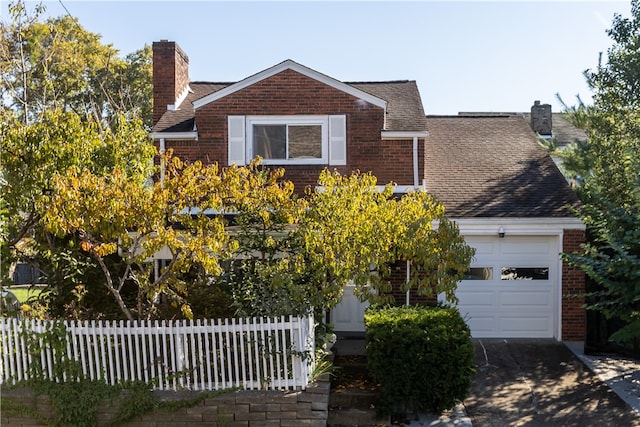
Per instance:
{"type": "Point", "coordinates": [290, 65]}
{"type": "Point", "coordinates": [404, 111]}
{"type": "Point", "coordinates": [487, 166]}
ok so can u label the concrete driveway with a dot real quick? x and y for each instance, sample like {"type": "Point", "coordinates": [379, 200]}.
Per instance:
{"type": "Point", "coordinates": [540, 383]}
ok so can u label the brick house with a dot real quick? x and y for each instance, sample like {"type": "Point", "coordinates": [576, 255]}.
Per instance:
{"type": "Point", "coordinates": [504, 191]}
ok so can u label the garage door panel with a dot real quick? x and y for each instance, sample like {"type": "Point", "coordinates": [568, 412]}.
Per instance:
{"type": "Point", "coordinates": [525, 305]}
{"type": "Point", "coordinates": [519, 323]}
{"type": "Point", "coordinates": [528, 247]}
{"type": "Point", "coordinates": [482, 325]}
{"type": "Point", "coordinates": [516, 326]}
{"type": "Point", "coordinates": [526, 300]}
{"type": "Point", "coordinates": [479, 299]}
{"type": "Point", "coordinates": [485, 247]}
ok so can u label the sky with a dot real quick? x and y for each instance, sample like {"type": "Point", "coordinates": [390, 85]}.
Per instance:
{"type": "Point", "coordinates": [465, 56]}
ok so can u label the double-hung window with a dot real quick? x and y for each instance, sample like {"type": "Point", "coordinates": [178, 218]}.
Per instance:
{"type": "Point", "coordinates": [288, 139]}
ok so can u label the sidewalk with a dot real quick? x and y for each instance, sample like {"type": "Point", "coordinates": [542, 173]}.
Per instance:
{"type": "Point", "coordinates": [621, 374]}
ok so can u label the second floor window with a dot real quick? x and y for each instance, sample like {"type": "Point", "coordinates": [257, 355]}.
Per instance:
{"type": "Point", "coordinates": [287, 141]}
{"type": "Point", "coordinates": [313, 140]}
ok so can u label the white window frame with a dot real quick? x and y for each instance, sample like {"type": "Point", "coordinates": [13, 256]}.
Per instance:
{"type": "Point", "coordinates": [322, 121]}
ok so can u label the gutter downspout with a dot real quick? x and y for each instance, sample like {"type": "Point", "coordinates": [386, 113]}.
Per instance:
{"type": "Point", "coordinates": [416, 184]}
{"type": "Point", "coordinates": [162, 161]}
{"type": "Point", "coordinates": [416, 177]}
{"type": "Point", "coordinates": [408, 278]}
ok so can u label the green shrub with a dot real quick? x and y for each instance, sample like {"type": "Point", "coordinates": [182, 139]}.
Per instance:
{"type": "Point", "coordinates": [421, 356]}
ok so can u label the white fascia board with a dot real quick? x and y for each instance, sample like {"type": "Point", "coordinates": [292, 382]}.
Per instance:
{"type": "Point", "coordinates": [290, 65]}
{"type": "Point", "coordinates": [518, 226]}
{"type": "Point", "coordinates": [174, 135]}
{"type": "Point", "coordinates": [387, 134]}
{"type": "Point", "coordinates": [402, 189]}
{"type": "Point", "coordinates": [397, 189]}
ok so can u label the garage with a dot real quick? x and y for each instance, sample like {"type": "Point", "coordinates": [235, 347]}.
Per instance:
{"type": "Point", "coordinates": [512, 288]}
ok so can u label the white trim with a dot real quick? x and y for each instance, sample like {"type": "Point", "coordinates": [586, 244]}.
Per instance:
{"type": "Point", "coordinates": [290, 65]}
{"type": "Point", "coordinates": [237, 141]}
{"type": "Point", "coordinates": [387, 134]}
{"type": "Point", "coordinates": [558, 333]}
{"type": "Point", "coordinates": [174, 135]}
{"type": "Point", "coordinates": [180, 99]}
{"type": "Point", "coordinates": [416, 177]}
{"type": "Point", "coordinates": [518, 226]}
{"type": "Point", "coordinates": [397, 189]}
{"type": "Point", "coordinates": [337, 140]}
{"type": "Point", "coordinates": [163, 166]}
{"type": "Point", "coordinates": [319, 120]}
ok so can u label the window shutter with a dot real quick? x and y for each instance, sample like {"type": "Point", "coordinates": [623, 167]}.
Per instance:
{"type": "Point", "coordinates": [338, 140]}
{"type": "Point", "coordinates": [237, 141]}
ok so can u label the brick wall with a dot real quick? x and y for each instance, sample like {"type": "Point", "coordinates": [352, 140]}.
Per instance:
{"type": "Point", "coordinates": [237, 409]}
{"type": "Point", "coordinates": [573, 287]}
{"type": "Point", "coordinates": [397, 279]}
{"type": "Point", "coordinates": [291, 93]}
{"type": "Point", "coordinates": [170, 75]}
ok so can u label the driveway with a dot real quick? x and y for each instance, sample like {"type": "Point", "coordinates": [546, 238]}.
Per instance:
{"type": "Point", "coordinates": [539, 383]}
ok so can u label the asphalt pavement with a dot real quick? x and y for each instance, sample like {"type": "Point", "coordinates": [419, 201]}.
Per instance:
{"type": "Point", "coordinates": [620, 374]}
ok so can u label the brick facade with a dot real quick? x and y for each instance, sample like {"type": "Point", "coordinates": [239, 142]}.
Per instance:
{"type": "Point", "coordinates": [573, 288]}
{"type": "Point", "coordinates": [398, 278]}
{"type": "Point", "coordinates": [291, 93]}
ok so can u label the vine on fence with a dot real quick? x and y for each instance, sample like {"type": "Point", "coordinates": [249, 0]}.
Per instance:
{"type": "Point", "coordinates": [75, 397]}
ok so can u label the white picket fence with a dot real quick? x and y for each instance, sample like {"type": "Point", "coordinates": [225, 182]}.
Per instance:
{"type": "Point", "coordinates": [251, 353]}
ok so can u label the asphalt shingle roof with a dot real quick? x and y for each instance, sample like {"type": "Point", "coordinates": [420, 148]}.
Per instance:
{"type": "Point", "coordinates": [182, 119]}
{"type": "Point", "coordinates": [493, 167]}
{"type": "Point", "coordinates": [404, 107]}
{"type": "Point", "coordinates": [562, 130]}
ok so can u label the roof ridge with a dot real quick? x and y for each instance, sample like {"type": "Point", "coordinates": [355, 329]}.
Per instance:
{"type": "Point", "coordinates": [474, 116]}
{"type": "Point", "coordinates": [202, 82]}
{"type": "Point", "coordinates": [378, 82]}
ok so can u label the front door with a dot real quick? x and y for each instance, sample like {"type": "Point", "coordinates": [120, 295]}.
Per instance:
{"type": "Point", "coordinates": [348, 315]}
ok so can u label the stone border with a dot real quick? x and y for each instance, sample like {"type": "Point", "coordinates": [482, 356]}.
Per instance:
{"type": "Point", "coordinates": [244, 408]}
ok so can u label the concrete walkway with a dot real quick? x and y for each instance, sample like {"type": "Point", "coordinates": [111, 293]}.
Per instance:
{"type": "Point", "coordinates": [621, 374]}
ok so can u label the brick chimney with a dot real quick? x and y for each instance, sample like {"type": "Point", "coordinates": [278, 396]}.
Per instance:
{"type": "Point", "coordinates": [170, 76]}
{"type": "Point", "coordinates": [541, 118]}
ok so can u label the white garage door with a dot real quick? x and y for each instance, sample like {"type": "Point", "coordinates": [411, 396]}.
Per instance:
{"type": "Point", "coordinates": [511, 290]}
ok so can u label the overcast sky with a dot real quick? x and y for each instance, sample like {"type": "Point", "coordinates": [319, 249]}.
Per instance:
{"type": "Point", "coordinates": [465, 56]}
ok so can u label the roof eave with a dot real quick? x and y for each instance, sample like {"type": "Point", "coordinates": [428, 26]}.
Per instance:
{"type": "Point", "coordinates": [391, 134]}
{"type": "Point", "coordinates": [519, 225]}
{"type": "Point", "coordinates": [174, 135]}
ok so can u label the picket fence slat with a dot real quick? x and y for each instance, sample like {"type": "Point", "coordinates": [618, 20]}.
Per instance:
{"type": "Point", "coordinates": [210, 354]}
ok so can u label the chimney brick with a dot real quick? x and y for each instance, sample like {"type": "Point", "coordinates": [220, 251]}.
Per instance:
{"type": "Point", "coordinates": [541, 118]}
{"type": "Point", "coordinates": [170, 75]}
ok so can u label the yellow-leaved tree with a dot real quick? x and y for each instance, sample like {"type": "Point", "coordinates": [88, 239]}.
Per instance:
{"type": "Point", "coordinates": [115, 216]}
{"type": "Point", "coordinates": [244, 230]}
{"type": "Point", "coordinates": [354, 232]}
